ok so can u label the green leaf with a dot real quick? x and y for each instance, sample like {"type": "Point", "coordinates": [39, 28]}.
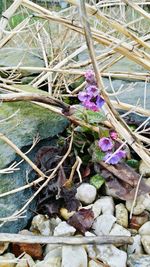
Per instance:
{"type": "Point", "coordinates": [133, 163]}
{"type": "Point", "coordinates": [97, 154]}
{"type": "Point", "coordinates": [95, 117]}
{"type": "Point", "coordinates": [97, 181]}
{"type": "Point", "coordinates": [89, 115]}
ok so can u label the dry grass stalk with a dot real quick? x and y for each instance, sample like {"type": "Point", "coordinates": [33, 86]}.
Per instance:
{"type": "Point", "coordinates": [71, 240]}
{"type": "Point", "coordinates": [93, 11]}
{"type": "Point", "coordinates": [138, 8]}
{"type": "Point", "coordinates": [128, 50]}
{"type": "Point", "coordinates": [7, 15]}
{"type": "Point", "coordinates": [17, 29]}
{"type": "Point", "coordinates": [21, 154]}
{"type": "Point", "coordinates": [119, 125]}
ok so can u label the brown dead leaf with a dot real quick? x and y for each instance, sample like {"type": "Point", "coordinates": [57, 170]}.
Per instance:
{"type": "Point", "coordinates": [34, 250]}
{"type": "Point", "coordinates": [82, 220]}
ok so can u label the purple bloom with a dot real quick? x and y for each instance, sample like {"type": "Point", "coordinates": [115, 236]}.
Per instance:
{"type": "Point", "coordinates": [84, 96]}
{"type": "Point", "coordinates": [105, 144]}
{"type": "Point", "coordinates": [117, 157]}
{"type": "Point", "coordinates": [90, 105]}
{"type": "Point", "coordinates": [90, 77]}
{"type": "Point", "coordinates": [92, 90]}
{"type": "Point", "coordinates": [100, 101]}
{"type": "Point", "coordinates": [113, 135]}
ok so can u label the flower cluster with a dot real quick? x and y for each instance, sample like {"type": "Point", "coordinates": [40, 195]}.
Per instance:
{"type": "Point", "coordinates": [107, 145]}
{"type": "Point", "coordinates": [91, 98]}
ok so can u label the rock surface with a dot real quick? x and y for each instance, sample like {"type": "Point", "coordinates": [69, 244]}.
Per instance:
{"type": "Point", "coordinates": [146, 243]}
{"type": "Point", "coordinates": [86, 193]}
{"type": "Point", "coordinates": [136, 247]}
{"type": "Point", "coordinates": [42, 225]}
{"type": "Point", "coordinates": [26, 261]}
{"type": "Point", "coordinates": [121, 215]}
{"type": "Point", "coordinates": [74, 256]}
{"type": "Point", "coordinates": [30, 120]}
{"type": "Point", "coordinates": [139, 261]}
{"type": "Point", "coordinates": [103, 224]}
{"type": "Point", "coordinates": [145, 229]}
{"type": "Point", "coordinates": [117, 229]}
{"type": "Point", "coordinates": [14, 56]}
{"type": "Point", "coordinates": [104, 205]}
{"type": "Point", "coordinates": [7, 260]}
{"type": "Point", "coordinates": [112, 256]}
{"type": "Point", "coordinates": [64, 229]}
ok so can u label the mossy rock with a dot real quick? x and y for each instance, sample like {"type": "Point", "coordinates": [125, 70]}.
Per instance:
{"type": "Point", "coordinates": [29, 120]}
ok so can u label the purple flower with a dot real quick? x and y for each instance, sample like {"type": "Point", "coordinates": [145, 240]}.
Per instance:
{"type": "Point", "coordinates": [90, 77]}
{"type": "Point", "coordinates": [100, 101]}
{"type": "Point", "coordinates": [117, 157]}
{"type": "Point", "coordinates": [90, 105]}
{"type": "Point", "coordinates": [113, 135]}
{"type": "Point", "coordinates": [105, 144]}
{"type": "Point", "coordinates": [84, 96]}
{"type": "Point", "coordinates": [92, 90]}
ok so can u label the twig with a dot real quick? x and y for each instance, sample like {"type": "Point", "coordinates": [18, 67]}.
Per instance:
{"type": "Point", "coordinates": [13, 97]}
{"type": "Point", "coordinates": [135, 197]}
{"type": "Point", "coordinates": [97, 240]}
{"type": "Point", "coordinates": [7, 15]}
{"type": "Point", "coordinates": [20, 153]}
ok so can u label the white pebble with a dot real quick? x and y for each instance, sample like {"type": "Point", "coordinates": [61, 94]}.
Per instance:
{"type": "Point", "coordinates": [121, 215]}
{"type": "Point", "coordinates": [86, 193]}
{"type": "Point", "coordinates": [117, 229]}
{"type": "Point", "coordinates": [145, 229]}
{"type": "Point", "coordinates": [112, 256]}
{"type": "Point", "coordinates": [74, 256]}
{"type": "Point", "coordinates": [103, 224]}
{"type": "Point", "coordinates": [64, 229]}
{"type": "Point", "coordinates": [136, 247]}
{"type": "Point", "coordinates": [104, 205]}
{"type": "Point", "coordinates": [146, 243]}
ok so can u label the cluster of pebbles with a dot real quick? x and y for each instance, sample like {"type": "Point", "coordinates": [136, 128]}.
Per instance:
{"type": "Point", "coordinates": [109, 219]}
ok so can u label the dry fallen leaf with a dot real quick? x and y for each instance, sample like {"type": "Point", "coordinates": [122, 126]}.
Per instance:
{"type": "Point", "coordinates": [82, 220]}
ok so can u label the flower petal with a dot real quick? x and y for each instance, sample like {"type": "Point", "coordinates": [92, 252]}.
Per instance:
{"type": "Point", "coordinates": [105, 144]}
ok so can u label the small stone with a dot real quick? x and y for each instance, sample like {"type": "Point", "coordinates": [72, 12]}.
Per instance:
{"type": "Point", "coordinates": [26, 261]}
{"type": "Point", "coordinates": [142, 203]}
{"type": "Point", "coordinates": [65, 214]}
{"type": "Point", "coordinates": [50, 247]}
{"type": "Point", "coordinates": [112, 256]}
{"type": "Point", "coordinates": [146, 243]}
{"type": "Point", "coordinates": [104, 205]}
{"type": "Point", "coordinates": [138, 220]}
{"type": "Point", "coordinates": [3, 247]}
{"type": "Point", "coordinates": [145, 229]}
{"type": "Point", "coordinates": [86, 193]}
{"type": "Point", "coordinates": [121, 215]}
{"type": "Point", "coordinates": [137, 260]}
{"type": "Point", "coordinates": [91, 249]}
{"type": "Point", "coordinates": [64, 229]}
{"type": "Point", "coordinates": [103, 224]}
{"type": "Point", "coordinates": [51, 262]}
{"type": "Point", "coordinates": [41, 224]}
{"type": "Point", "coordinates": [117, 229]}
{"type": "Point", "coordinates": [136, 247]}
{"type": "Point", "coordinates": [52, 258]}
{"type": "Point", "coordinates": [7, 260]}
{"type": "Point", "coordinates": [74, 256]}
{"type": "Point", "coordinates": [95, 263]}
{"type": "Point", "coordinates": [144, 170]}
